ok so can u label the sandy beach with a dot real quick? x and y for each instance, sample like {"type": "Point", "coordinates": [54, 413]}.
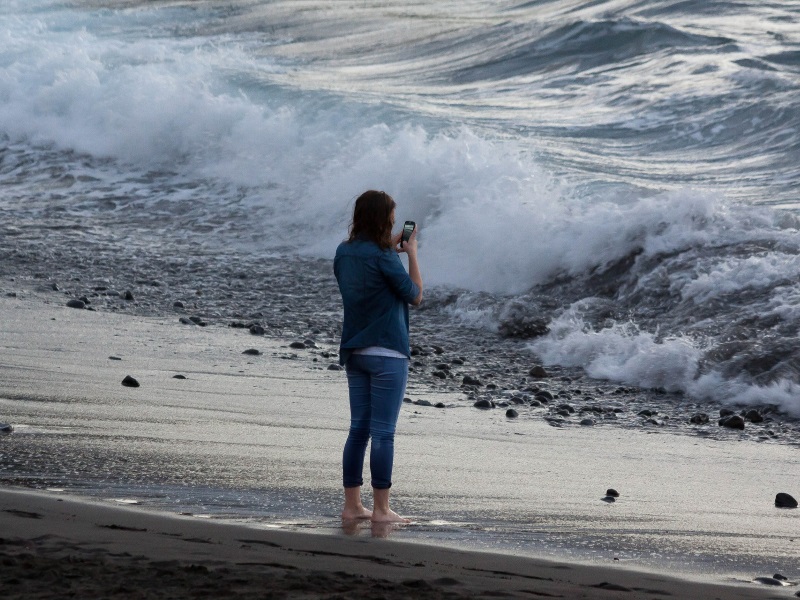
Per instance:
{"type": "Point", "coordinates": [225, 482]}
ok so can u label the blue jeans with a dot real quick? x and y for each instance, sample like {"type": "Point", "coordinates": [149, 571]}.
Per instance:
{"type": "Point", "coordinates": [377, 385]}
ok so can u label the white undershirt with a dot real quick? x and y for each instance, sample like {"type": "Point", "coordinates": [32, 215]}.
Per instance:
{"type": "Point", "coordinates": [380, 351]}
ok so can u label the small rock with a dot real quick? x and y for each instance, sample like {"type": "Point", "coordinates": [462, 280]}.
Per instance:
{"type": "Point", "coordinates": [780, 577]}
{"type": "Point", "coordinates": [297, 345]}
{"type": "Point", "coordinates": [647, 413]}
{"type": "Point", "coordinates": [699, 419]}
{"type": "Point", "coordinates": [179, 376]}
{"type": "Point", "coordinates": [256, 329]}
{"type": "Point", "coordinates": [612, 492]}
{"type": "Point", "coordinates": [185, 321]}
{"type": "Point", "coordinates": [439, 374]}
{"type": "Point", "coordinates": [566, 407]}
{"type": "Point", "coordinates": [114, 358]}
{"type": "Point", "coordinates": [538, 372]}
{"type": "Point", "coordinates": [587, 422]}
{"type": "Point", "coordinates": [130, 382]}
{"type": "Point", "coordinates": [725, 412]}
{"type": "Point", "coordinates": [511, 413]}
{"type": "Point", "coordinates": [754, 416]}
{"type": "Point", "coordinates": [6, 428]}
{"type": "Point", "coordinates": [76, 304]}
{"type": "Point", "coordinates": [470, 380]}
{"type": "Point", "coordinates": [543, 396]}
{"type": "Point", "coordinates": [11, 294]}
{"type": "Point", "coordinates": [309, 343]}
{"type": "Point", "coordinates": [178, 304]}
{"type": "Point", "coordinates": [128, 295]}
{"type": "Point", "coordinates": [732, 422]}
{"type": "Point", "coordinates": [423, 403]}
{"type": "Point", "coordinates": [484, 403]}
{"type": "Point", "coordinates": [439, 405]}
{"type": "Point", "coordinates": [334, 367]}
{"type": "Point", "coordinates": [54, 287]}
{"type": "Point", "coordinates": [784, 500]}
{"type": "Point", "coordinates": [252, 352]}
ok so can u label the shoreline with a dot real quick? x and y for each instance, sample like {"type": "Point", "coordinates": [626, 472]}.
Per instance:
{"type": "Point", "coordinates": [268, 425]}
{"type": "Point", "coordinates": [89, 548]}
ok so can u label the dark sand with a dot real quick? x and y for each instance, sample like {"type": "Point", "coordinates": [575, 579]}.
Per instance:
{"type": "Point", "coordinates": [55, 546]}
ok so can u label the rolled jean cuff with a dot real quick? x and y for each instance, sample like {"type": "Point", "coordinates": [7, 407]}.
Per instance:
{"type": "Point", "coordinates": [381, 486]}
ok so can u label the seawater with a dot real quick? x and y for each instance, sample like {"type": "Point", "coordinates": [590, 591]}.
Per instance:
{"type": "Point", "coordinates": [625, 171]}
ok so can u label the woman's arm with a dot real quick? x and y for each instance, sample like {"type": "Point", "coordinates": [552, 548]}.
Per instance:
{"type": "Point", "coordinates": [410, 248]}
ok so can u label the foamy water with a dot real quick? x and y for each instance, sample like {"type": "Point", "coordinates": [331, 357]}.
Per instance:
{"type": "Point", "coordinates": [627, 173]}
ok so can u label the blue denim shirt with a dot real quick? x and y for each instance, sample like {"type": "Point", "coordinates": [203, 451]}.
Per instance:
{"type": "Point", "coordinates": [376, 291]}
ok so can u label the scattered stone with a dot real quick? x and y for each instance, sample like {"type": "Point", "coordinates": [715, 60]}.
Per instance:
{"type": "Point", "coordinates": [544, 396]}
{"type": "Point", "coordinates": [511, 413]}
{"type": "Point", "coordinates": [784, 500]}
{"type": "Point", "coordinates": [439, 374]}
{"type": "Point", "coordinates": [128, 295]}
{"type": "Point", "coordinates": [297, 345]}
{"type": "Point", "coordinates": [612, 492]}
{"type": "Point", "coordinates": [725, 412]}
{"type": "Point", "coordinates": [178, 304]}
{"type": "Point", "coordinates": [6, 428]}
{"type": "Point", "coordinates": [470, 380]}
{"type": "Point", "coordinates": [76, 304]}
{"type": "Point", "coordinates": [252, 352]}
{"type": "Point", "coordinates": [754, 416]}
{"type": "Point", "coordinates": [309, 343]}
{"type": "Point", "coordinates": [130, 382]}
{"type": "Point", "coordinates": [54, 287]}
{"type": "Point", "coordinates": [538, 372]}
{"type": "Point", "coordinates": [11, 294]}
{"type": "Point", "coordinates": [438, 349]}
{"type": "Point", "coordinates": [699, 419]}
{"type": "Point", "coordinates": [484, 403]}
{"type": "Point", "coordinates": [185, 321]}
{"type": "Point", "coordinates": [179, 376]}
{"type": "Point", "coordinates": [85, 300]}
{"type": "Point", "coordinates": [334, 367]}
{"type": "Point", "coordinates": [732, 422]}
{"type": "Point", "coordinates": [406, 399]}
{"type": "Point", "coordinates": [587, 422]}
{"type": "Point", "coordinates": [439, 405]}
{"type": "Point", "coordinates": [780, 577]}
{"type": "Point", "coordinates": [198, 321]}
{"type": "Point", "coordinates": [114, 358]}
{"type": "Point", "coordinates": [423, 403]}
{"type": "Point", "coordinates": [769, 581]}
{"type": "Point", "coordinates": [566, 407]}
{"type": "Point", "coordinates": [256, 329]}
{"type": "Point", "coordinates": [647, 413]}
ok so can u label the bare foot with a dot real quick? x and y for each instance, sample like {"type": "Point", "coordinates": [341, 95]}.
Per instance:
{"type": "Point", "coordinates": [353, 514]}
{"type": "Point", "coordinates": [388, 516]}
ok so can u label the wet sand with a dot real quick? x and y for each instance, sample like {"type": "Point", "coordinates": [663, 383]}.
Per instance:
{"type": "Point", "coordinates": [257, 439]}
{"type": "Point", "coordinates": [56, 547]}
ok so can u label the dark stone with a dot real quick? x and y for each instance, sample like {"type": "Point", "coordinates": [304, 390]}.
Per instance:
{"type": "Point", "coordinates": [85, 300]}
{"type": "Point", "coordinates": [784, 500]}
{"type": "Point", "coordinates": [179, 376]}
{"type": "Point", "coordinates": [127, 295]}
{"type": "Point", "coordinates": [647, 413]}
{"type": "Point", "coordinates": [196, 320]}
{"type": "Point", "coordinates": [406, 399]}
{"type": "Point", "coordinates": [238, 325]}
{"type": "Point", "coordinates": [334, 367]}
{"type": "Point", "coordinates": [439, 374]}
{"type": "Point", "coordinates": [310, 343]}
{"type": "Point", "coordinates": [544, 396]}
{"type": "Point", "coordinates": [130, 382]}
{"type": "Point", "coordinates": [76, 304]}
{"type": "Point", "coordinates": [754, 416]}
{"type": "Point", "coordinates": [538, 372]}
{"type": "Point", "coordinates": [699, 419]}
{"type": "Point", "coordinates": [256, 329]}
{"type": "Point", "coordinates": [297, 345]}
{"type": "Point", "coordinates": [423, 403]}
{"type": "Point", "coordinates": [470, 380]}
{"type": "Point", "coordinates": [563, 412]}
{"type": "Point", "coordinates": [725, 412]}
{"type": "Point", "coordinates": [11, 294]}
{"type": "Point", "coordinates": [6, 428]}
{"type": "Point", "coordinates": [732, 422]}
{"type": "Point", "coordinates": [517, 400]}
{"type": "Point", "coordinates": [252, 352]}
{"type": "Point", "coordinates": [438, 350]}
{"type": "Point", "coordinates": [54, 287]}
{"type": "Point", "coordinates": [185, 321]}
{"type": "Point", "coordinates": [114, 358]}
{"type": "Point", "coordinates": [177, 304]}
{"type": "Point", "coordinates": [536, 403]}
{"type": "Point", "coordinates": [587, 422]}
{"type": "Point", "coordinates": [780, 577]}
{"type": "Point", "coordinates": [484, 403]}
{"type": "Point", "coordinates": [567, 407]}
{"type": "Point", "coordinates": [612, 492]}
{"type": "Point", "coordinates": [511, 413]}
{"type": "Point", "coordinates": [439, 405]}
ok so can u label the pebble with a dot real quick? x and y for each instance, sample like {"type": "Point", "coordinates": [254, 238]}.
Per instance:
{"type": "Point", "coordinates": [538, 372]}
{"type": "Point", "coordinates": [754, 416]}
{"type": "Point", "coordinates": [725, 412]}
{"type": "Point", "coordinates": [130, 382]}
{"type": "Point", "coordinates": [784, 500]}
{"type": "Point", "coordinates": [178, 304]}
{"type": "Point", "coordinates": [470, 380]}
{"type": "Point", "coordinates": [256, 329]}
{"type": "Point", "coordinates": [439, 374]}
{"type": "Point", "coordinates": [252, 352]}
{"type": "Point", "coordinates": [484, 403]}
{"type": "Point", "coordinates": [128, 295]}
{"type": "Point", "coordinates": [334, 367]}
{"type": "Point", "coordinates": [179, 376]}
{"type": "Point", "coordinates": [6, 428]}
{"type": "Point", "coordinates": [439, 405]}
{"type": "Point", "coordinates": [76, 304]}
{"type": "Point", "coordinates": [511, 413]}
{"type": "Point", "coordinates": [699, 419]}
{"type": "Point", "coordinates": [114, 358]}
{"type": "Point", "coordinates": [423, 403]}
{"type": "Point", "coordinates": [612, 492]}
{"type": "Point", "coordinates": [587, 422]}
{"type": "Point", "coordinates": [732, 422]}
{"type": "Point", "coordinates": [297, 345]}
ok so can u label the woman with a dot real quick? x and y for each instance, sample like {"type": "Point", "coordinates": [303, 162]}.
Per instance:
{"type": "Point", "coordinates": [376, 292]}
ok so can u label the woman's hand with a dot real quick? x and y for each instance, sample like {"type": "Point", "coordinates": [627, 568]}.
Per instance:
{"type": "Point", "coordinates": [409, 247]}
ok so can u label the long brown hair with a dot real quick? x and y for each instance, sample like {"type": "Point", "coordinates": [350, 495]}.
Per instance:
{"type": "Point", "coordinates": [372, 218]}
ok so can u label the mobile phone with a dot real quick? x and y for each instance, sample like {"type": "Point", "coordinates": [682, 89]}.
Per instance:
{"type": "Point", "coordinates": [408, 229]}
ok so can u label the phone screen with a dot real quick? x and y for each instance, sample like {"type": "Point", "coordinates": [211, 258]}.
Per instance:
{"type": "Point", "coordinates": [408, 229]}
